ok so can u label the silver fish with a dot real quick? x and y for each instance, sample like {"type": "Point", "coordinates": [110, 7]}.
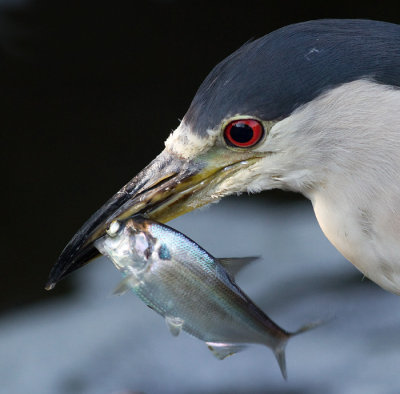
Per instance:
{"type": "Point", "coordinates": [191, 289]}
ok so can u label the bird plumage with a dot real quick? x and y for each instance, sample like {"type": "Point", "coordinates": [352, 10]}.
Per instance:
{"type": "Point", "coordinates": [275, 74]}
{"type": "Point", "coordinates": [330, 92]}
{"type": "Point", "coordinates": [342, 151]}
{"type": "Point", "coordinates": [327, 95]}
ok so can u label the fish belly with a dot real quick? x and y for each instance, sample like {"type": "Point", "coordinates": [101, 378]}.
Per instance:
{"type": "Point", "coordinates": [208, 309]}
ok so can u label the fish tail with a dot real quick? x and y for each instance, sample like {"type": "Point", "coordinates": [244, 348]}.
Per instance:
{"type": "Point", "coordinates": [279, 349]}
{"type": "Point", "coordinates": [279, 352]}
{"type": "Point", "coordinates": [308, 327]}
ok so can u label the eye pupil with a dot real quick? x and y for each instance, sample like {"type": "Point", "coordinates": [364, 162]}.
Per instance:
{"type": "Point", "coordinates": [241, 133]}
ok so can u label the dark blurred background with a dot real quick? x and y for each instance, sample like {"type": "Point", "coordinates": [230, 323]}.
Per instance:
{"type": "Point", "coordinates": [90, 90]}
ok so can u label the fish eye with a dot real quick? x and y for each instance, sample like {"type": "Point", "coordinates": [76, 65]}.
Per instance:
{"type": "Point", "coordinates": [243, 133]}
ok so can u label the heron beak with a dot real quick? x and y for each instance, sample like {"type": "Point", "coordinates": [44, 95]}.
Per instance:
{"type": "Point", "coordinates": [167, 188]}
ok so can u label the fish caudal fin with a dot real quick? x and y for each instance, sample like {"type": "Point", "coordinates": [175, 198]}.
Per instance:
{"type": "Point", "coordinates": [222, 350]}
{"type": "Point", "coordinates": [280, 356]}
{"type": "Point", "coordinates": [279, 350]}
{"type": "Point", "coordinates": [308, 327]}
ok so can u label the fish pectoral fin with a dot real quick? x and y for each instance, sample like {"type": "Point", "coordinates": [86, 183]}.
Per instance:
{"type": "Point", "coordinates": [223, 350]}
{"type": "Point", "coordinates": [234, 264]}
{"type": "Point", "coordinates": [126, 284]}
{"type": "Point", "coordinates": [174, 324]}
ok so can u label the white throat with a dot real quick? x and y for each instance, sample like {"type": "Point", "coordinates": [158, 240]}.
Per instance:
{"type": "Point", "coordinates": [345, 156]}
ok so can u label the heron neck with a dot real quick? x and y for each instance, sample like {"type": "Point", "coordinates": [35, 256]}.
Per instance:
{"type": "Point", "coordinates": [349, 135]}
{"type": "Point", "coordinates": [351, 166]}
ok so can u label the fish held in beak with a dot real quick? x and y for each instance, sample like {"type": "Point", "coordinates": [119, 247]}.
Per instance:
{"type": "Point", "coordinates": [167, 188]}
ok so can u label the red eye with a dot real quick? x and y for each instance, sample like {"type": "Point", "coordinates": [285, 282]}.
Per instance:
{"type": "Point", "coordinates": [243, 133]}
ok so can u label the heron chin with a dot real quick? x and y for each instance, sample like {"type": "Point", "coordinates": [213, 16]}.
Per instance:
{"type": "Point", "coordinates": [312, 108]}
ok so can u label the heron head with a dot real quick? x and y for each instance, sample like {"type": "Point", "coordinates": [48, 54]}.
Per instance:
{"type": "Point", "coordinates": [245, 128]}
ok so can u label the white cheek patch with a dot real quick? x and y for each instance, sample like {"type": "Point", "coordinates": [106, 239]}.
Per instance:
{"type": "Point", "coordinates": [184, 143]}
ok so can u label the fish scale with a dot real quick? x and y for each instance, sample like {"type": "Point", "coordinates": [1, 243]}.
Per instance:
{"type": "Point", "coordinates": [190, 288]}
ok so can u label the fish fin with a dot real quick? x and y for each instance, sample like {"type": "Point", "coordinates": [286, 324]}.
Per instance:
{"type": "Point", "coordinates": [223, 350]}
{"type": "Point", "coordinates": [234, 264]}
{"type": "Point", "coordinates": [126, 284]}
{"type": "Point", "coordinates": [174, 324]}
{"type": "Point", "coordinates": [309, 326]}
{"type": "Point", "coordinates": [279, 352]}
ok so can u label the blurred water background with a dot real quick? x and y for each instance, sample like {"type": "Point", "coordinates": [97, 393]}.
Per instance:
{"type": "Point", "coordinates": [92, 342]}
{"type": "Point", "coordinates": [89, 90]}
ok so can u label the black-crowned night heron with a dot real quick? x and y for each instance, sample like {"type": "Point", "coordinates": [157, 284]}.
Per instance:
{"type": "Point", "coordinates": [314, 108]}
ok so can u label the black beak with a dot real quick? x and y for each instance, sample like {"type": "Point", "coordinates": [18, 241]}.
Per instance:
{"type": "Point", "coordinates": [159, 191]}
{"type": "Point", "coordinates": [167, 188]}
